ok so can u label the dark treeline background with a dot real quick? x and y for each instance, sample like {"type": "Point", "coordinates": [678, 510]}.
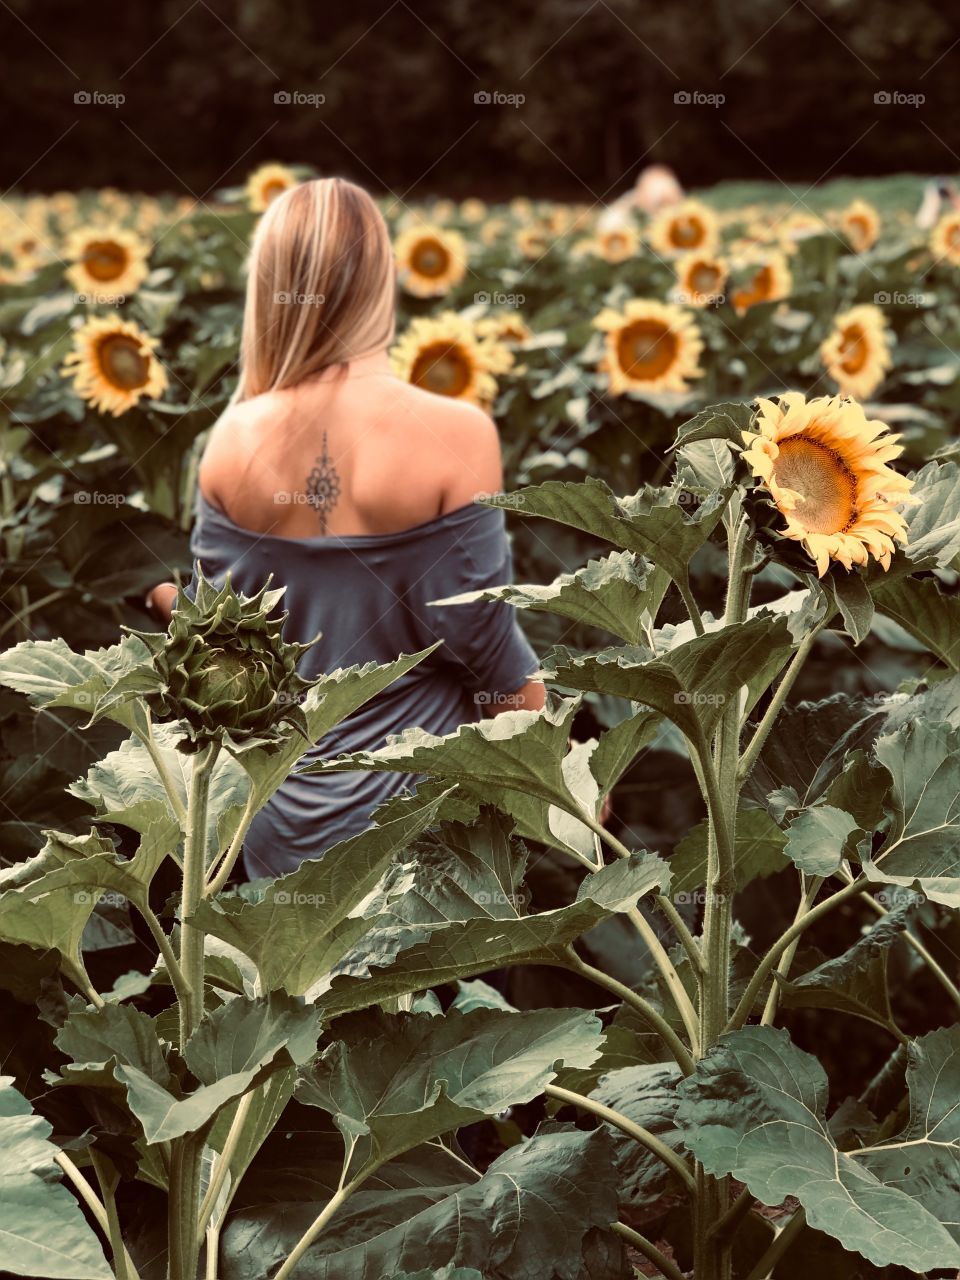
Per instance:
{"type": "Point", "coordinates": [600, 80]}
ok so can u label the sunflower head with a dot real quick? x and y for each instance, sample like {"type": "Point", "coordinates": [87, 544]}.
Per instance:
{"type": "Point", "coordinates": [701, 280]}
{"type": "Point", "coordinates": [856, 353]}
{"type": "Point", "coordinates": [533, 241]}
{"type": "Point", "coordinates": [650, 346]}
{"type": "Point", "coordinates": [430, 260]}
{"type": "Point", "coordinates": [107, 262]}
{"type": "Point", "coordinates": [615, 244]}
{"type": "Point", "coordinates": [473, 210]}
{"type": "Point", "coordinates": [684, 228]}
{"type": "Point", "coordinates": [825, 466]}
{"type": "Point", "coordinates": [268, 182]}
{"type": "Point", "coordinates": [113, 366]}
{"type": "Point", "coordinates": [945, 239]}
{"type": "Point", "coordinates": [860, 223]}
{"type": "Point", "coordinates": [451, 356]}
{"type": "Point", "coordinates": [768, 280]}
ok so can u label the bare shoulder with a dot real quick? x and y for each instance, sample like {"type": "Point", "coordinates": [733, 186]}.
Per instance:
{"type": "Point", "coordinates": [461, 441]}
{"type": "Point", "coordinates": [233, 440]}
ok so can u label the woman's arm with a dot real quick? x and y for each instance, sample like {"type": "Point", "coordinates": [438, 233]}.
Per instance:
{"type": "Point", "coordinates": [159, 601]}
{"type": "Point", "coordinates": [529, 697]}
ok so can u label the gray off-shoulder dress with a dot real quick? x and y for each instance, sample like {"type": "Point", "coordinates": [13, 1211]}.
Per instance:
{"type": "Point", "coordinates": [368, 596]}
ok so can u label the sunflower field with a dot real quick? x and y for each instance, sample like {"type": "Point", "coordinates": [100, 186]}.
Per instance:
{"type": "Point", "coordinates": [660, 981]}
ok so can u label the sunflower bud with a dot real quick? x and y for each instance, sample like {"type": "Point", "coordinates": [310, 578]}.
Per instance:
{"type": "Point", "coordinates": [224, 671]}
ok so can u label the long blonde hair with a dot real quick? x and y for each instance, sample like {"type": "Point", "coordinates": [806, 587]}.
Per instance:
{"type": "Point", "coordinates": [320, 288]}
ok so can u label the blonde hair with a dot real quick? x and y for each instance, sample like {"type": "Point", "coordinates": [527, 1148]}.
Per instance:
{"type": "Point", "coordinates": [321, 286]}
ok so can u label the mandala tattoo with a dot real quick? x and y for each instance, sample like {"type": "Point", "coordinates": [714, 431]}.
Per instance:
{"type": "Point", "coordinates": [323, 486]}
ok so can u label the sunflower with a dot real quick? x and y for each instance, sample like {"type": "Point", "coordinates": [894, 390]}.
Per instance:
{"type": "Point", "coordinates": [824, 464]}
{"type": "Point", "coordinates": [505, 326]}
{"type": "Point", "coordinates": [533, 241]}
{"type": "Point", "coordinates": [113, 366]}
{"type": "Point", "coordinates": [614, 244]}
{"type": "Point", "coordinates": [651, 346]}
{"type": "Point", "coordinates": [107, 262]}
{"type": "Point", "coordinates": [683, 228]}
{"type": "Point", "coordinates": [700, 280]}
{"type": "Point", "coordinates": [473, 210]}
{"type": "Point", "coordinates": [268, 182]}
{"type": "Point", "coordinates": [771, 281]}
{"type": "Point", "coordinates": [857, 351]}
{"type": "Point", "coordinates": [945, 238]}
{"type": "Point", "coordinates": [860, 223]}
{"type": "Point", "coordinates": [430, 261]}
{"type": "Point", "coordinates": [451, 357]}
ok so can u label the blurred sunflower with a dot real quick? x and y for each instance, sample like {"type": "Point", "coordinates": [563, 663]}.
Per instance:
{"type": "Point", "coordinates": [684, 227]}
{"type": "Point", "coordinates": [860, 223]}
{"type": "Point", "coordinates": [107, 261]}
{"type": "Point", "coordinates": [268, 182]}
{"type": "Point", "coordinates": [505, 326]}
{"type": "Point", "coordinates": [614, 244]}
{"type": "Point", "coordinates": [824, 464]}
{"type": "Point", "coordinates": [113, 366]}
{"type": "Point", "coordinates": [790, 231]}
{"type": "Point", "coordinates": [771, 281]}
{"type": "Point", "coordinates": [651, 346]}
{"type": "Point", "coordinates": [856, 353]}
{"type": "Point", "coordinates": [492, 230]}
{"type": "Point", "coordinates": [700, 280]}
{"type": "Point", "coordinates": [473, 210]}
{"type": "Point", "coordinates": [430, 260]}
{"type": "Point", "coordinates": [945, 238]}
{"type": "Point", "coordinates": [448, 356]}
{"type": "Point", "coordinates": [533, 241]}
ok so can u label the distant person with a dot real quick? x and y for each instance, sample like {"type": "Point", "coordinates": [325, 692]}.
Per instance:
{"type": "Point", "coordinates": [936, 194]}
{"type": "Point", "coordinates": [355, 490]}
{"type": "Point", "coordinates": [657, 187]}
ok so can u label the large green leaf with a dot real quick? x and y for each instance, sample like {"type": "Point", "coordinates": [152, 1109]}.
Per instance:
{"type": "Point", "coordinates": [515, 761]}
{"type": "Point", "coordinates": [725, 421]}
{"type": "Point", "coordinates": [756, 1108]}
{"type": "Point", "coordinates": [42, 1230]}
{"type": "Point", "coordinates": [618, 594]}
{"type": "Point", "coordinates": [528, 1215]}
{"type": "Point", "coordinates": [647, 1095]}
{"type": "Point", "coordinates": [691, 683]}
{"type": "Point", "coordinates": [933, 522]}
{"type": "Point", "coordinates": [393, 1082]}
{"type": "Point", "coordinates": [655, 523]}
{"type": "Point", "coordinates": [922, 609]}
{"type": "Point", "coordinates": [818, 839]}
{"type": "Point", "coordinates": [307, 920]}
{"type": "Point", "coordinates": [922, 847]}
{"type": "Point", "coordinates": [396, 959]}
{"type": "Point", "coordinates": [97, 1040]}
{"type": "Point", "coordinates": [924, 1160]}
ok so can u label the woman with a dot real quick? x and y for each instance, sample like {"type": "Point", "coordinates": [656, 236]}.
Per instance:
{"type": "Point", "coordinates": [355, 491]}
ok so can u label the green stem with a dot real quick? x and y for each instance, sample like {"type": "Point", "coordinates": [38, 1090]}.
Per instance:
{"type": "Point", "coordinates": [100, 1214]}
{"type": "Point", "coordinates": [163, 946]}
{"type": "Point", "coordinates": [223, 1161]}
{"type": "Point", "coordinates": [24, 611]}
{"type": "Point", "coordinates": [649, 1250]}
{"type": "Point", "coordinates": [913, 941]}
{"type": "Point", "coordinates": [807, 898]}
{"type": "Point", "coordinates": [755, 985]}
{"type": "Point", "coordinates": [194, 881]}
{"type": "Point", "coordinates": [222, 875]}
{"type": "Point", "coordinates": [684, 936]}
{"type": "Point", "coordinates": [169, 786]}
{"type": "Point", "coordinates": [693, 609]}
{"type": "Point", "coordinates": [107, 1177]}
{"type": "Point", "coordinates": [639, 1134]}
{"type": "Point", "coordinates": [183, 1238]}
{"type": "Point", "coordinates": [320, 1222]}
{"type": "Point", "coordinates": [762, 732]}
{"type": "Point", "coordinates": [636, 1002]}
{"type": "Point", "coordinates": [779, 1246]}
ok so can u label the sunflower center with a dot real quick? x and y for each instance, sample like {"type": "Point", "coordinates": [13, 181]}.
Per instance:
{"type": "Point", "coordinates": [853, 349]}
{"type": "Point", "coordinates": [122, 363]}
{"type": "Point", "coordinates": [275, 187]}
{"type": "Point", "coordinates": [827, 486]}
{"type": "Point", "coordinates": [646, 349]}
{"type": "Point", "coordinates": [105, 259]}
{"type": "Point", "coordinates": [444, 368]}
{"type": "Point", "coordinates": [429, 258]}
{"type": "Point", "coordinates": [686, 232]}
{"type": "Point", "coordinates": [953, 236]}
{"type": "Point", "coordinates": [704, 278]}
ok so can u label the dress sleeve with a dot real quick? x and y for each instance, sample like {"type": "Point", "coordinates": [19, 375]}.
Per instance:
{"type": "Point", "coordinates": [483, 640]}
